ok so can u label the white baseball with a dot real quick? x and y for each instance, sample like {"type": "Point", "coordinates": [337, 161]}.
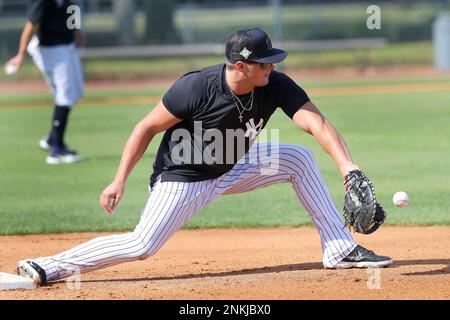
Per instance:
{"type": "Point", "coordinates": [400, 199]}
{"type": "Point", "coordinates": [10, 69]}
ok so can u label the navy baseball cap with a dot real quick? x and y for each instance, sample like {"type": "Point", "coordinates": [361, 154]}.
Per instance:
{"type": "Point", "coordinates": [252, 45]}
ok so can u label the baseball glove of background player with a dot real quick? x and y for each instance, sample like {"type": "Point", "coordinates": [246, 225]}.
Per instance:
{"type": "Point", "coordinates": [362, 212]}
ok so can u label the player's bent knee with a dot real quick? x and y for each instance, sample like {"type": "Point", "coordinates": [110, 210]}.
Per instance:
{"type": "Point", "coordinates": [143, 253]}
{"type": "Point", "coordinates": [148, 254]}
{"type": "Point", "coordinates": [305, 152]}
{"type": "Point", "coordinates": [148, 250]}
{"type": "Point", "coordinates": [143, 257]}
{"type": "Point", "coordinates": [302, 156]}
{"type": "Point", "coordinates": [142, 249]}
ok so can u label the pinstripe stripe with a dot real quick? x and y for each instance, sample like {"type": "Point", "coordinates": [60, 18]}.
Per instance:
{"type": "Point", "coordinates": [293, 165]}
{"type": "Point", "coordinates": [319, 186]}
{"type": "Point", "coordinates": [171, 204]}
{"type": "Point", "coordinates": [320, 193]}
{"type": "Point", "coordinates": [95, 243]}
{"type": "Point", "coordinates": [320, 199]}
{"type": "Point", "coordinates": [108, 240]}
{"type": "Point", "coordinates": [158, 241]}
{"type": "Point", "coordinates": [169, 227]}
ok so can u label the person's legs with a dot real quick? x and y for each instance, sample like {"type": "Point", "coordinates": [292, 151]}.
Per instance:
{"type": "Point", "coordinates": [62, 74]}
{"type": "Point", "coordinates": [77, 74]}
{"type": "Point", "coordinates": [34, 51]}
{"type": "Point", "coordinates": [66, 93]}
{"type": "Point", "coordinates": [169, 206]}
{"type": "Point", "coordinates": [295, 164]}
{"type": "Point", "coordinates": [58, 60]}
{"type": "Point", "coordinates": [58, 128]}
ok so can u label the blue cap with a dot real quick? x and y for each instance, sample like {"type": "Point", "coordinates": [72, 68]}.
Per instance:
{"type": "Point", "coordinates": [252, 45]}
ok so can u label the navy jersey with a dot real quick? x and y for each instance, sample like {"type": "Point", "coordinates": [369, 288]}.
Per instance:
{"type": "Point", "coordinates": [52, 16]}
{"type": "Point", "coordinates": [210, 116]}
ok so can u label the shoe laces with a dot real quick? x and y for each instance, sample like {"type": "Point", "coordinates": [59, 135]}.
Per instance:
{"type": "Point", "coordinates": [366, 251]}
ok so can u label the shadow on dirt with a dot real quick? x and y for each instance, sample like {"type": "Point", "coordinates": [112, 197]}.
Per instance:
{"type": "Point", "coordinates": [292, 267]}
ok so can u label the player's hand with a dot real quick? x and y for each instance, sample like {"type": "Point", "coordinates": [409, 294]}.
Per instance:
{"type": "Point", "coordinates": [346, 168]}
{"type": "Point", "coordinates": [80, 38]}
{"type": "Point", "coordinates": [16, 62]}
{"type": "Point", "coordinates": [111, 196]}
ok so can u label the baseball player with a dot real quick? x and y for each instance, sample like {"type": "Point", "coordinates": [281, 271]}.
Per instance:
{"type": "Point", "coordinates": [51, 44]}
{"type": "Point", "coordinates": [202, 116]}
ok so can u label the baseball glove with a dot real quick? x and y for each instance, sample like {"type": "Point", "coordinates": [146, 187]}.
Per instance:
{"type": "Point", "coordinates": [362, 212]}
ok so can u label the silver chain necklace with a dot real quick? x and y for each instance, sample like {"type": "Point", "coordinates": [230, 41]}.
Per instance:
{"type": "Point", "coordinates": [235, 97]}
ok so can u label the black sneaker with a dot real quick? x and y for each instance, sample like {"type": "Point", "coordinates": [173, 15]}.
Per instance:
{"type": "Point", "coordinates": [32, 270]}
{"type": "Point", "coordinates": [360, 257]}
{"type": "Point", "coordinates": [44, 145]}
{"type": "Point", "coordinates": [58, 155]}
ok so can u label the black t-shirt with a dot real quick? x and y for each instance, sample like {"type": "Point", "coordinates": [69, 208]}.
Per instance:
{"type": "Point", "coordinates": [53, 17]}
{"type": "Point", "coordinates": [211, 139]}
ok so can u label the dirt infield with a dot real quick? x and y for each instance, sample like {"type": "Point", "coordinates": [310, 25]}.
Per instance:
{"type": "Point", "coordinates": [313, 92]}
{"type": "Point", "coordinates": [12, 87]}
{"type": "Point", "coordinates": [432, 85]}
{"type": "Point", "coordinates": [282, 263]}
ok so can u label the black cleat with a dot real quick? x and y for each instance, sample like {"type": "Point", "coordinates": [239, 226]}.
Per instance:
{"type": "Point", "coordinates": [32, 270]}
{"type": "Point", "coordinates": [45, 146]}
{"type": "Point", "coordinates": [360, 257]}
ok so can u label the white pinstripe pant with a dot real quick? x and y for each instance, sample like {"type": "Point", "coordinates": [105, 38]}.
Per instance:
{"type": "Point", "coordinates": [171, 204]}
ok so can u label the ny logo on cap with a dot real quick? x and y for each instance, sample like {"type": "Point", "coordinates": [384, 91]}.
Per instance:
{"type": "Point", "coordinates": [245, 53]}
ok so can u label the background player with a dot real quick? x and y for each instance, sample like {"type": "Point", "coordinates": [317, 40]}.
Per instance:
{"type": "Point", "coordinates": [238, 97]}
{"type": "Point", "coordinates": [51, 43]}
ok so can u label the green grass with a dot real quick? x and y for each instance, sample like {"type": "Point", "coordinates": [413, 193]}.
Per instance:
{"type": "Point", "coordinates": [400, 140]}
{"type": "Point", "coordinates": [415, 53]}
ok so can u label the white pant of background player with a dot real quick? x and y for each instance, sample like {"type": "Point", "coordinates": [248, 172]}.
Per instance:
{"type": "Point", "coordinates": [171, 204]}
{"type": "Point", "coordinates": [61, 67]}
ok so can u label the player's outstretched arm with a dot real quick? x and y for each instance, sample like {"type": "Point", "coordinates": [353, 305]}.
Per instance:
{"type": "Point", "coordinates": [309, 119]}
{"type": "Point", "coordinates": [28, 31]}
{"type": "Point", "coordinates": [157, 120]}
